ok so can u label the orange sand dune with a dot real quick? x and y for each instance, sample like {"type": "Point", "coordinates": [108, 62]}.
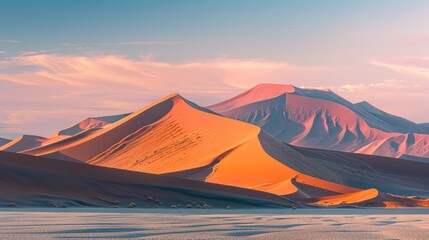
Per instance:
{"type": "Point", "coordinates": [322, 119]}
{"type": "Point", "coordinates": [174, 135]}
{"type": "Point", "coordinates": [349, 198]}
{"type": "Point", "coordinates": [178, 138]}
{"type": "Point", "coordinates": [369, 198]}
{"type": "Point", "coordinates": [88, 144]}
{"type": "Point", "coordinates": [23, 143]}
{"type": "Point", "coordinates": [177, 142]}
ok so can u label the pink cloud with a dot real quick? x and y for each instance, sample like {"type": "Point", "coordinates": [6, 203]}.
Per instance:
{"type": "Point", "coordinates": [97, 85]}
{"type": "Point", "coordinates": [46, 92]}
{"type": "Point", "coordinates": [422, 39]}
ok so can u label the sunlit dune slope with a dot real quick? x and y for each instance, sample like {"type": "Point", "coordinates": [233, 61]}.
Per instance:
{"type": "Point", "coordinates": [322, 119]}
{"type": "Point", "coordinates": [37, 181]}
{"type": "Point", "coordinates": [88, 144]}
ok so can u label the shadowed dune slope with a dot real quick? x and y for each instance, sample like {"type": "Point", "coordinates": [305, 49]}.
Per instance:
{"type": "Point", "coordinates": [3, 141]}
{"type": "Point", "coordinates": [396, 176]}
{"type": "Point", "coordinates": [322, 119]}
{"type": "Point", "coordinates": [37, 181]}
{"type": "Point", "coordinates": [23, 143]}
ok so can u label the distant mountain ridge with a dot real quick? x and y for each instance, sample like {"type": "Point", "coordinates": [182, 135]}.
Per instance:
{"type": "Point", "coordinates": [322, 119]}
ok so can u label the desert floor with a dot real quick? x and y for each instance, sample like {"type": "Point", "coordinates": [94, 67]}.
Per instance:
{"type": "Point", "coordinates": [27, 223]}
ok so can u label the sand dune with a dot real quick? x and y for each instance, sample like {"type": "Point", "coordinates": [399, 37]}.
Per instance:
{"type": "Point", "coordinates": [23, 143]}
{"type": "Point", "coordinates": [89, 124]}
{"type": "Point", "coordinates": [396, 176]}
{"type": "Point", "coordinates": [36, 181]}
{"type": "Point", "coordinates": [3, 141]}
{"type": "Point", "coordinates": [322, 119]}
{"type": "Point", "coordinates": [176, 137]}
{"type": "Point", "coordinates": [349, 198]}
{"type": "Point", "coordinates": [228, 152]}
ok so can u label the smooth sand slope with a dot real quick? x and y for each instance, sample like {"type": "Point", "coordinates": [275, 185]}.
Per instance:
{"type": "Point", "coordinates": [178, 138]}
{"type": "Point", "coordinates": [322, 119]}
{"type": "Point", "coordinates": [23, 143]}
{"type": "Point", "coordinates": [36, 181]}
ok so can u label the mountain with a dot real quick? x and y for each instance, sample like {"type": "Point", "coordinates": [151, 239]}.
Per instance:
{"type": "Point", "coordinates": [23, 143]}
{"type": "Point", "coordinates": [3, 141]}
{"type": "Point", "coordinates": [178, 138]}
{"type": "Point", "coordinates": [322, 119]}
{"type": "Point", "coordinates": [41, 182]}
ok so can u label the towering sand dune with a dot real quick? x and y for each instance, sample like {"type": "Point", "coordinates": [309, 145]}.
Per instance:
{"type": "Point", "coordinates": [176, 137]}
{"type": "Point", "coordinates": [23, 143]}
{"type": "Point", "coordinates": [36, 181]}
{"type": "Point", "coordinates": [3, 141]}
{"type": "Point", "coordinates": [322, 119]}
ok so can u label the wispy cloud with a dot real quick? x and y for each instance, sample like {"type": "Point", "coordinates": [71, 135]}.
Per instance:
{"type": "Point", "coordinates": [9, 41]}
{"type": "Point", "coordinates": [416, 65]}
{"type": "Point", "coordinates": [66, 88]}
{"type": "Point", "coordinates": [68, 44]}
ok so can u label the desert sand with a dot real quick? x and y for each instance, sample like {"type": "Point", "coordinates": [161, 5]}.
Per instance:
{"type": "Point", "coordinates": [214, 224]}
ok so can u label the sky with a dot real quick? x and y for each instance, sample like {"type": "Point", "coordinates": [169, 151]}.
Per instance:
{"type": "Point", "coordinates": [63, 61]}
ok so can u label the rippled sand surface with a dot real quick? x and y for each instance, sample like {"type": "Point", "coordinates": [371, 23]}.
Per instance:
{"type": "Point", "coordinates": [214, 224]}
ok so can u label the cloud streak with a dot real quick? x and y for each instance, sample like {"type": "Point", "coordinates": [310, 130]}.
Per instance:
{"type": "Point", "coordinates": [61, 89]}
{"type": "Point", "coordinates": [417, 65]}
{"type": "Point", "coordinates": [9, 41]}
{"type": "Point", "coordinates": [67, 44]}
